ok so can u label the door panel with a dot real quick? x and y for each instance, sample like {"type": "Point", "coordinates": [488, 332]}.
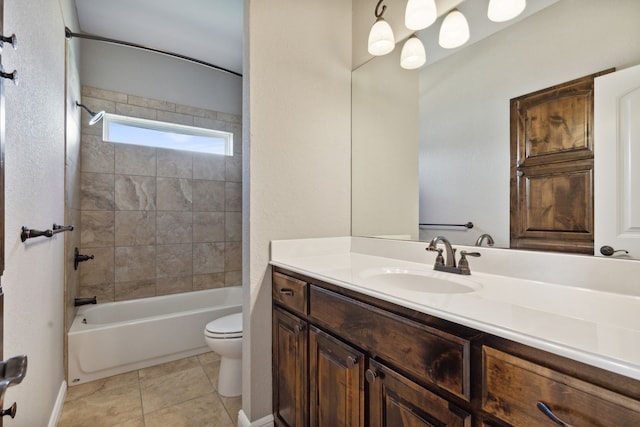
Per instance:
{"type": "Point", "coordinates": [617, 162]}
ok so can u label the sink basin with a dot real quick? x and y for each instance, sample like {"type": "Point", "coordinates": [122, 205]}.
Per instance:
{"type": "Point", "coordinates": [419, 281]}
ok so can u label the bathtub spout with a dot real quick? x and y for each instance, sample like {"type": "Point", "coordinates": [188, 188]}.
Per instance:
{"type": "Point", "coordinates": [84, 301]}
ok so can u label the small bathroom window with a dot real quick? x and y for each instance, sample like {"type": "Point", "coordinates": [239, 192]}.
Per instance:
{"type": "Point", "coordinates": [153, 133]}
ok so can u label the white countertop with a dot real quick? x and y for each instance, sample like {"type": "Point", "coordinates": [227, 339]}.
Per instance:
{"type": "Point", "coordinates": [585, 323]}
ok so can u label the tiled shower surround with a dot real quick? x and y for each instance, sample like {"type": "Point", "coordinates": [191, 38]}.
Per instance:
{"type": "Point", "coordinates": [157, 221]}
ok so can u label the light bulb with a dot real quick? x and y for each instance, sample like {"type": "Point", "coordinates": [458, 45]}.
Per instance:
{"type": "Point", "coordinates": [413, 55]}
{"type": "Point", "coordinates": [504, 10]}
{"type": "Point", "coordinates": [454, 31]}
{"type": "Point", "coordinates": [420, 14]}
{"type": "Point", "coordinates": [381, 39]}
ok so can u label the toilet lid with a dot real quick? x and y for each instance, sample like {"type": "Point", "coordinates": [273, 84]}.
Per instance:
{"type": "Point", "coordinates": [225, 327]}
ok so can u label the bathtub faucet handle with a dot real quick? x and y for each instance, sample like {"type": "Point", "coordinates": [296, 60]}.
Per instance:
{"type": "Point", "coordinates": [78, 258]}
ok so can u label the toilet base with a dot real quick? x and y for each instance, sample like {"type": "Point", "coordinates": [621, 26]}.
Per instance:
{"type": "Point", "coordinates": [230, 377]}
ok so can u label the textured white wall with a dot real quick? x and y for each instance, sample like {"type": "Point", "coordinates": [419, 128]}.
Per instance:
{"type": "Point", "coordinates": [151, 75]}
{"type": "Point", "coordinates": [34, 275]}
{"type": "Point", "coordinates": [297, 147]}
{"type": "Point", "coordinates": [464, 105]}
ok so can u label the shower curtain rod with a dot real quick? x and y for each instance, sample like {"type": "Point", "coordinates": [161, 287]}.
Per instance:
{"type": "Point", "coordinates": [70, 34]}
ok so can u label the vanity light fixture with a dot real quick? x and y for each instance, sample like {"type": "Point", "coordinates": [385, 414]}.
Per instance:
{"type": "Point", "coordinates": [420, 14]}
{"type": "Point", "coordinates": [413, 55]}
{"type": "Point", "coordinates": [454, 31]}
{"type": "Point", "coordinates": [504, 10]}
{"type": "Point", "coordinates": [95, 117]}
{"type": "Point", "coordinates": [381, 40]}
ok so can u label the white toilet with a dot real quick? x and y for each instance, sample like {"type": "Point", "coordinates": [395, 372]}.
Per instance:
{"type": "Point", "coordinates": [224, 336]}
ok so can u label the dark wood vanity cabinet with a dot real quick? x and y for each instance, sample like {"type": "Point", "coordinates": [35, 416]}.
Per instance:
{"type": "Point", "coordinates": [341, 358]}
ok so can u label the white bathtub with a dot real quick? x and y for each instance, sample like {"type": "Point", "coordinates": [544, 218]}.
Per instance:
{"type": "Point", "coordinates": [116, 337]}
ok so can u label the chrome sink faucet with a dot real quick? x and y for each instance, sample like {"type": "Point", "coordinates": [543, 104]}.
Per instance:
{"type": "Point", "coordinates": [489, 239]}
{"type": "Point", "coordinates": [448, 263]}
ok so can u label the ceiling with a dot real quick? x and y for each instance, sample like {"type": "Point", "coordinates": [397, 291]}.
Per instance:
{"type": "Point", "coordinates": [207, 30]}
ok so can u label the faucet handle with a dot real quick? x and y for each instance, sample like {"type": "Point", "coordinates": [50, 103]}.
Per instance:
{"type": "Point", "coordinates": [463, 265]}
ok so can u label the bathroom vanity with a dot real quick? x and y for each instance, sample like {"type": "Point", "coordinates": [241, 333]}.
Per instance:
{"type": "Point", "coordinates": [350, 350]}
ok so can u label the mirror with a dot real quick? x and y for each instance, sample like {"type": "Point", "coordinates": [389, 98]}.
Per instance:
{"type": "Point", "coordinates": [462, 123]}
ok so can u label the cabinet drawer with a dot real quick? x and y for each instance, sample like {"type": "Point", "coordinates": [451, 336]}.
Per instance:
{"type": "Point", "coordinates": [290, 293]}
{"type": "Point", "coordinates": [512, 387]}
{"type": "Point", "coordinates": [395, 400]}
{"type": "Point", "coordinates": [429, 354]}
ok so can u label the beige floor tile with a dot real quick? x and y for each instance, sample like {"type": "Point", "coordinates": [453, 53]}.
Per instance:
{"type": "Point", "coordinates": [212, 369]}
{"type": "Point", "coordinates": [173, 388]}
{"type": "Point", "coordinates": [168, 368]}
{"type": "Point", "coordinates": [233, 406]}
{"type": "Point", "coordinates": [209, 357]}
{"type": "Point", "coordinates": [112, 403]}
{"type": "Point", "coordinates": [204, 411]}
{"type": "Point", "coordinates": [129, 379]}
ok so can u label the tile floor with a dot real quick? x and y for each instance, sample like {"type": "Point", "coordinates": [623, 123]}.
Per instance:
{"type": "Point", "coordinates": [175, 394]}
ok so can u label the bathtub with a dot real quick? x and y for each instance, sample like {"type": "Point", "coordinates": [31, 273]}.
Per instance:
{"type": "Point", "coordinates": [116, 337]}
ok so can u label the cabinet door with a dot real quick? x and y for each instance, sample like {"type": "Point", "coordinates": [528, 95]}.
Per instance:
{"type": "Point", "coordinates": [396, 401]}
{"type": "Point", "coordinates": [290, 372]}
{"type": "Point", "coordinates": [336, 382]}
{"type": "Point", "coordinates": [513, 389]}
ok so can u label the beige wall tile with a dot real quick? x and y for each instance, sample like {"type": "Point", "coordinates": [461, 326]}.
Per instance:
{"type": "Point", "coordinates": [137, 197]}
{"type": "Point", "coordinates": [174, 227]}
{"type": "Point", "coordinates": [136, 289]}
{"type": "Point", "coordinates": [135, 111]}
{"type": "Point", "coordinates": [135, 160]}
{"type": "Point", "coordinates": [198, 112]}
{"type": "Point", "coordinates": [208, 258]}
{"type": "Point", "coordinates": [100, 269]}
{"type": "Point", "coordinates": [208, 281]}
{"type": "Point", "coordinates": [233, 278]}
{"type": "Point", "coordinates": [233, 197]}
{"type": "Point", "coordinates": [233, 256]}
{"type": "Point", "coordinates": [135, 263]}
{"type": "Point", "coordinates": [233, 168]}
{"type": "Point", "coordinates": [207, 123]}
{"type": "Point", "coordinates": [174, 194]}
{"type": "Point", "coordinates": [175, 164]}
{"type": "Point", "coordinates": [135, 228]}
{"type": "Point", "coordinates": [96, 155]}
{"type": "Point", "coordinates": [151, 103]}
{"type": "Point", "coordinates": [209, 166]}
{"type": "Point", "coordinates": [177, 118]}
{"type": "Point", "coordinates": [174, 260]}
{"type": "Point", "coordinates": [208, 196]}
{"type": "Point", "coordinates": [233, 226]}
{"type": "Point", "coordinates": [135, 192]}
{"type": "Point", "coordinates": [96, 191]}
{"type": "Point", "coordinates": [174, 285]}
{"type": "Point", "coordinates": [107, 95]}
{"type": "Point", "coordinates": [97, 228]}
{"type": "Point", "coordinates": [103, 292]}
{"type": "Point", "coordinates": [208, 227]}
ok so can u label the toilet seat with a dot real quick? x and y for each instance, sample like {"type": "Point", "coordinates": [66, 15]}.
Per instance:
{"type": "Point", "coordinates": [225, 327]}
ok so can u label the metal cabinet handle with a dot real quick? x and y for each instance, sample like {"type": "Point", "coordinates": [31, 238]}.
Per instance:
{"type": "Point", "coordinates": [286, 292]}
{"type": "Point", "coordinates": [549, 413]}
{"type": "Point", "coordinates": [608, 250]}
{"type": "Point", "coordinates": [371, 376]}
{"type": "Point", "coordinates": [11, 411]}
{"type": "Point", "coordinates": [300, 328]}
{"type": "Point", "coordinates": [351, 361]}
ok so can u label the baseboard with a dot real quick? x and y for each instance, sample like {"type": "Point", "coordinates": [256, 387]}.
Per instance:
{"type": "Point", "coordinates": [57, 407]}
{"type": "Point", "coordinates": [243, 421]}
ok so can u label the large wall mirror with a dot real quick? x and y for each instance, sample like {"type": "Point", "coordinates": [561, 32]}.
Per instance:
{"type": "Point", "coordinates": [432, 145]}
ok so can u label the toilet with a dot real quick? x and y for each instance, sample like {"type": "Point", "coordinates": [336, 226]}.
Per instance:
{"type": "Point", "coordinates": [224, 336]}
